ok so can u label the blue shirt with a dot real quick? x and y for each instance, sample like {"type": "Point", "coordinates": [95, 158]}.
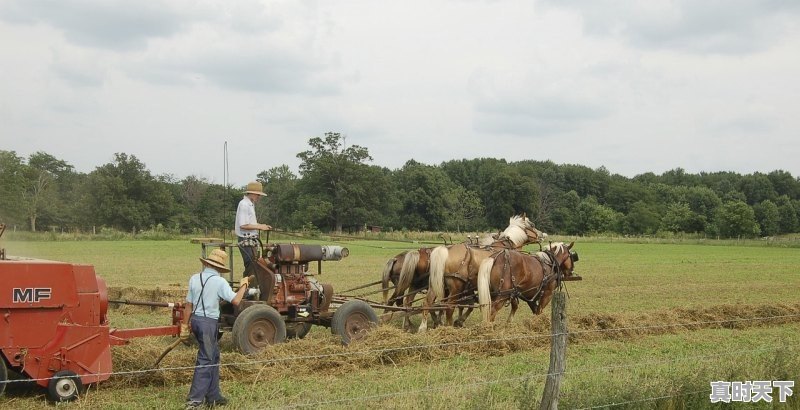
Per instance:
{"type": "Point", "coordinates": [216, 288]}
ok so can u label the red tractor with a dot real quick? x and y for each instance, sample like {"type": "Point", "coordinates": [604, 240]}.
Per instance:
{"type": "Point", "coordinates": [287, 300]}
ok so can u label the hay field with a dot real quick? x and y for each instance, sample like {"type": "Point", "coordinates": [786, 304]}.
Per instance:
{"type": "Point", "coordinates": [652, 325]}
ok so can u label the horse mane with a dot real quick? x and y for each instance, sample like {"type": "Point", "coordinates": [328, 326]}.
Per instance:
{"type": "Point", "coordinates": [516, 230]}
{"type": "Point", "coordinates": [557, 247]}
{"type": "Point", "coordinates": [487, 239]}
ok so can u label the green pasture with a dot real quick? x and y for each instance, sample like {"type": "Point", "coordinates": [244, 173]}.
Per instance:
{"type": "Point", "coordinates": [624, 285]}
{"type": "Point", "coordinates": [619, 278]}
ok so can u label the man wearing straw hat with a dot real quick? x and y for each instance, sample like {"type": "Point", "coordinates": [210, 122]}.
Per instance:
{"type": "Point", "coordinates": [247, 226]}
{"type": "Point", "coordinates": [205, 291]}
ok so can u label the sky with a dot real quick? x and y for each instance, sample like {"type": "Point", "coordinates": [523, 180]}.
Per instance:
{"type": "Point", "coordinates": [633, 86]}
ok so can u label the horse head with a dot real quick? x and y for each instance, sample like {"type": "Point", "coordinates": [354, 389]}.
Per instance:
{"type": "Point", "coordinates": [565, 257]}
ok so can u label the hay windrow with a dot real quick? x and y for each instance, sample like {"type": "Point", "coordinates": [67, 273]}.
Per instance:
{"type": "Point", "coordinates": [322, 353]}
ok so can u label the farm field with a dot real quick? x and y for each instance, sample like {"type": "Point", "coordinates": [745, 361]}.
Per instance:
{"type": "Point", "coordinates": [651, 326]}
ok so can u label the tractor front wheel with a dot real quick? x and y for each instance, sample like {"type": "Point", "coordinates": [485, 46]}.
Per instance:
{"type": "Point", "coordinates": [257, 327]}
{"type": "Point", "coordinates": [64, 386]}
{"type": "Point", "coordinates": [353, 320]}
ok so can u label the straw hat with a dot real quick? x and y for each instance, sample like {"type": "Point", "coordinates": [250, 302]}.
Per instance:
{"type": "Point", "coordinates": [217, 260]}
{"type": "Point", "coordinates": [255, 187]}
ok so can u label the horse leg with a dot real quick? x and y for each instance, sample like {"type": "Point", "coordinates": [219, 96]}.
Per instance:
{"type": "Point", "coordinates": [423, 326]}
{"type": "Point", "coordinates": [407, 304]}
{"type": "Point", "coordinates": [514, 306]}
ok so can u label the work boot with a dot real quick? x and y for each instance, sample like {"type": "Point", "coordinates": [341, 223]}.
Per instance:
{"type": "Point", "coordinates": [219, 401]}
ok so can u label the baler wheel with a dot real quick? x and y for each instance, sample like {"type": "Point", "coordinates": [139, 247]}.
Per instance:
{"type": "Point", "coordinates": [352, 320]}
{"type": "Point", "coordinates": [64, 386]}
{"type": "Point", "coordinates": [257, 327]}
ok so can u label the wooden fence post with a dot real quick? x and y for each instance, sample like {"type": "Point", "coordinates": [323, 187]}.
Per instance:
{"type": "Point", "coordinates": [558, 352]}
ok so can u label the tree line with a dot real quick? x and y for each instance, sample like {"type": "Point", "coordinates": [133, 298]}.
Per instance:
{"type": "Point", "coordinates": [337, 189]}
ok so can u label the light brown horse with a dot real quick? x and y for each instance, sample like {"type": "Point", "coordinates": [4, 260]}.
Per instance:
{"type": "Point", "coordinates": [407, 271]}
{"type": "Point", "coordinates": [513, 275]}
{"type": "Point", "coordinates": [454, 269]}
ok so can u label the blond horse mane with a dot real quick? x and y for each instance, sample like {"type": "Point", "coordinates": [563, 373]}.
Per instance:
{"type": "Point", "coordinates": [516, 230]}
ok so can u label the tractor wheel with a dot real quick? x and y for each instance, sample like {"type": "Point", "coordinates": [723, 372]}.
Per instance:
{"type": "Point", "coordinates": [297, 330]}
{"type": "Point", "coordinates": [64, 386]}
{"type": "Point", "coordinates": [257, 327]}
{"type": "Point", "coordinates": [352, 320]}
{"type": "Point", "coordinates": [3, 376]}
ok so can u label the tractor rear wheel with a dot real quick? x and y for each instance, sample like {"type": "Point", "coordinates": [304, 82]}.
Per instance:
{"type": "Point", "coordinates": [352, 320]}
{"type": "Point", "coordinates": [64, 386]}
{"type": "Point", "coordinates": [297, 330]}
{"type": "Point", "coordinates": [257, 327]}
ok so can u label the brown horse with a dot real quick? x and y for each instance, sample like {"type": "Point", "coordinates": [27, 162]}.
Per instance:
{"type": "Point", "coordinates": [513, 275]}
{"type": "Point", "coordinates": [407, 271]}
{"type": "Point", "coordinates": [454, 269]}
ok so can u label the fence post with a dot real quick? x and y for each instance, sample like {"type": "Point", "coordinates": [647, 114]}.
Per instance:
{"type": "Point", "coordinates": [558, 352]}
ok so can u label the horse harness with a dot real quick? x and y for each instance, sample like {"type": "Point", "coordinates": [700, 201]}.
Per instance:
{"type": "Point", "coordinates": [552, 270]}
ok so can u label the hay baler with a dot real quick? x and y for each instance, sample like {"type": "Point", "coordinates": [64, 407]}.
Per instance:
{"type": "Point", "coordinates": [54, 327]}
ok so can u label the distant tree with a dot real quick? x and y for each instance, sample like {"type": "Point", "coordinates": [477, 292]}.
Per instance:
{"type": "Point", "coordinates": [40, 175]}
{"type": "Point", "coordinates": [280, 185]}
{"type": "Point", "coordinates": [768, 217]}
{"type": "Point", "coordinates": [426, 193]}
{"type": "Point", "coordinates": [641, 219]}
{"type": "Point", "coordinates": [596, 218]}
{"type": "Point", "coordinates": [337, 185]}
{"type": "Point", "coordinates": [785, 184]}
{"type": "Point", "coordinates": [734, 219]}
{"type": "Point", "coordinates": [464, 211]}
{"type": "Point", "coordinates": [123, 194]}
{"type": "Point", "coordinates": [565, 217]}
{"type": "Point", "coordinates": [679, 217]}
{"type": "Point", "coordinates": [12, 183]}
{"type": "Point", "coordinates": [787, 215]}
{"type": "Point", "coordinates": [757, 188]}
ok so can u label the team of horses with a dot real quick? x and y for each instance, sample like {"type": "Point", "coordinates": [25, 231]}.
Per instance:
{"type": "Point", "coordinates": [493, 272]}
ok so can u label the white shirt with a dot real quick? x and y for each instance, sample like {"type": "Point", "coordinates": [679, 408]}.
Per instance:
{"type": "Point", "coordinates": [245, 214]}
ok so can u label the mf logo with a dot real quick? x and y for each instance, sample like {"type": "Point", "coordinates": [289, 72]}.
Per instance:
{"type": "Point", "coordinates": [28, 295]}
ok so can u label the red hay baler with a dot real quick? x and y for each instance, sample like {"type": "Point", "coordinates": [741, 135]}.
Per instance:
{"type": "Point", "coordinates": [54, 327]}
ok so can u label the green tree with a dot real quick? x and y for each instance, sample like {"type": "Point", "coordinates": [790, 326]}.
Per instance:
{"type": "Point", "coordinates": [123, 194]}
{"type": "Point", "coordinates": [280, 185]}
{"type": "Point", "coordinates": [565, 216]}
{"type": "Point", "coordinates": [768, 217]}
{"type": "Point", "coordinates": [734, 219]}
{"type": "Point", "coordinates": [12, 183]}
{"type": "Point", "coordinates": [679, 217]}
{"type": "Point", "coordinates": [427, 194]}
{"type": "Point", "coordinates": [337, 185]}
{"type": "Point", "coordinates": [42, 175]}
{"type": "Point", "coordinates": [595, 218]}
{"type": "Point", "coordinates": [787, 215]}
{"type": "Point", "coordinates": [641, 219]}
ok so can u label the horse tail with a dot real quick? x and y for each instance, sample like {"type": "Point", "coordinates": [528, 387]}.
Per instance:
{"type": "Point", "coordinates": [386, 277]}
{"type": "Point", "coordinates": [484, 293]}
{"type": "Point", "coordinates": [407, 271]}
{"type": "Point", "coordinates": [436, 279]}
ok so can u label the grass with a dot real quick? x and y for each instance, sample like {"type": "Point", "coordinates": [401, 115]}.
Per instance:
{"type": "Point", "coordinates": [627, 285]}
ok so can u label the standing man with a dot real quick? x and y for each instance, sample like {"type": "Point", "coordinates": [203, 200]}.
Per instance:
{"type": "Point", "coordinates": [247, 226]}
{"type": "Point", "coordinates": [205, 290]}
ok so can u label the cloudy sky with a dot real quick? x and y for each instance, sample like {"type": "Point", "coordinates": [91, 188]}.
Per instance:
{"type": "Point", "coordinates": [635, 86]}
